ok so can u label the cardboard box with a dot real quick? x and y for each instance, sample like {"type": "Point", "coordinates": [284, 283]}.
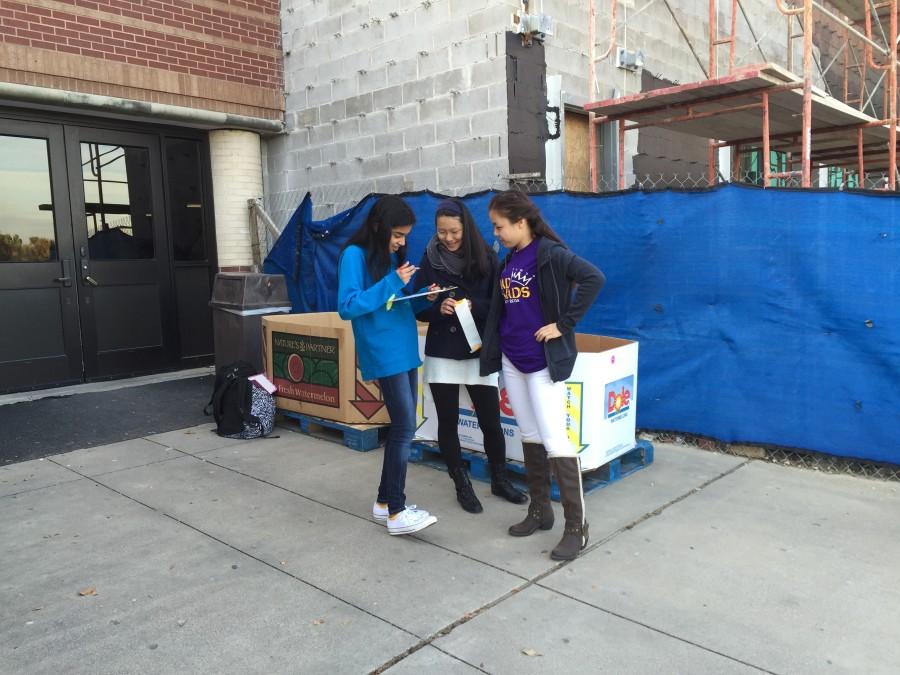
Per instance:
{"type": "Point", "coordinates": [311, 358]}
{"type": "Point", "coordinates": [601, 404]}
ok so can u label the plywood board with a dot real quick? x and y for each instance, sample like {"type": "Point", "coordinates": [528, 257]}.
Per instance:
{"type": "Point", "coordinates": [577, 165]}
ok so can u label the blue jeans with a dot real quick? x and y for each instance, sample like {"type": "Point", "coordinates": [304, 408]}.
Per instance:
{"type": "Point", "coordinates": [400, 393]}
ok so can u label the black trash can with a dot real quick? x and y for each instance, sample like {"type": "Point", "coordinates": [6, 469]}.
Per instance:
{"type": "Point", "coordinates": [239, 301]}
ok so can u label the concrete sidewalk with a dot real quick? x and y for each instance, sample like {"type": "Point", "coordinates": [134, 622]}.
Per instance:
{"type": "Point", "coordinates": [210, 555]}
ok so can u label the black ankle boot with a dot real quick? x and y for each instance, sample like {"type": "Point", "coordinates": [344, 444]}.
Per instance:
{"type": "Point", "coordinates": [501, 486]}
{"type": "Point", "coordinates": [465, 495]}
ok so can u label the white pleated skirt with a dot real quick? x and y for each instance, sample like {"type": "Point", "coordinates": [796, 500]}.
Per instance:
{"type": "Point", "coordinates": [452, 371]}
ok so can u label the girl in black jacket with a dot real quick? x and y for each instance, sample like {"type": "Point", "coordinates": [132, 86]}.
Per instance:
{"type": "Point", "coordinates": [543, 291]}
{"type": "Point", "coordinates": [458, 256]}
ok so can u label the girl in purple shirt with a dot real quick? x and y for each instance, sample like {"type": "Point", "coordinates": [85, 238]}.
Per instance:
{"type": "Point", "coordinates": [544, 291]}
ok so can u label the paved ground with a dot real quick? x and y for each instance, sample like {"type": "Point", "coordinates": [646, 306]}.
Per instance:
{"type": "Point", "coordinates": [209, 555]}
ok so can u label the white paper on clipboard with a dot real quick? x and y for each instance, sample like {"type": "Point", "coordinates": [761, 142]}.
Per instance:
{"type": "Point", "coordinates": [467, 321]}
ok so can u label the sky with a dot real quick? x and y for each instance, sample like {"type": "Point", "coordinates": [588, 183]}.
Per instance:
{"type": "Point", "coordinates": [24, 185]}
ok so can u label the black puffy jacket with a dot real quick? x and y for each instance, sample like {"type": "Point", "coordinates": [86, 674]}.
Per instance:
{"type": "Point", "coordinates": [445, 338]}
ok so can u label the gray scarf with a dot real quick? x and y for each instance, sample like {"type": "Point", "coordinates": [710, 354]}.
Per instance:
{"type": "Point", "coordinates": [442, 260]}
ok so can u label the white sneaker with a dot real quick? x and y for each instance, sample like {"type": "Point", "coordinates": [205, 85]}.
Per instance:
{"type": "Point", "coordinates": [381, 513]}
{"type": "Point", "coordinates": [409, 521]}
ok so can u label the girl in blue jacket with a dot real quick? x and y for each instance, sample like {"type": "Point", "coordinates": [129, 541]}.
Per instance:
{"type": "Point", "coordinates": [373, 269]}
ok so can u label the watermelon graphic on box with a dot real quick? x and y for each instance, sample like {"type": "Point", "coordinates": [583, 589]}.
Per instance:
{"type": "Point", "coordinates": [305, 368]}
{"type": "Point", "coordinates": [311, 358]}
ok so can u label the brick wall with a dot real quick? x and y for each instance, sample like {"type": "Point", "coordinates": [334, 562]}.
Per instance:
{"type": "Point", "coordinates": [217, 54]}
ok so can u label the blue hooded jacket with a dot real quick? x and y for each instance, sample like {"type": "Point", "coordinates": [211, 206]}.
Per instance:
{"type": "Point", "coordinates": [387, 342]}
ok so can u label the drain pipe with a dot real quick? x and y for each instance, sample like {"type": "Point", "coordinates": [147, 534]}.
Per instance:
{"type": "Point", "coordinates": [207, 119]}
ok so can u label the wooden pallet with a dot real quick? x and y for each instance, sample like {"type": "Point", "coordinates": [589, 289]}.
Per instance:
{"type": "Point", "coordinates": [360, 437]}
{"type": "Point", "coordinates": [424, 452]}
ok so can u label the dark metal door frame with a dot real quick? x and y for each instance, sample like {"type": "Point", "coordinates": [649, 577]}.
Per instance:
{"type": "Point", "coordinates": [100, 363]}
{"type": "Point", "coordinates": [64, 368]}
{"type": "Point", "coordinates": [75, 364]}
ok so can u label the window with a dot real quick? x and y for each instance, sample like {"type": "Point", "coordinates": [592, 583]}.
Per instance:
{"type": "Point", "coordinates": [839, 177]}
{"type": "Point", "coordinates": [27, 227]}
{"type": "Point", "coordinates": [752, 168]}
{"type": "Point", "coordinates": [117, 201]}
{"type": "Point", "coordinates": [186, 198]}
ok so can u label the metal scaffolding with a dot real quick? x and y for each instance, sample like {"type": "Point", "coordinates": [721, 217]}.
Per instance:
{"type": "Point", "coordinates": [756, 108]}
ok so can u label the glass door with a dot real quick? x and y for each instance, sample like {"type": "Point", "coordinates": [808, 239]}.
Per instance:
{"type": "Point", "coordinates": [122, 253]}
{"type": "Point", "coordinates": [40, 342]}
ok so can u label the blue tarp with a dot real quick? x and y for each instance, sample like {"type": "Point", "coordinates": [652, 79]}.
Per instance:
{"type": "Point", "coordinates": [763, 316]}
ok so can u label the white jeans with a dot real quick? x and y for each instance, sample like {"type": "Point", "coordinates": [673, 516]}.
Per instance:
{"type": "Point", "coordinates": [539, 405]}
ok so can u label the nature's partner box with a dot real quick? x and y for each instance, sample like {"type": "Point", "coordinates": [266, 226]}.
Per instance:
{"type": "Point", "coordinates": [311, 358]}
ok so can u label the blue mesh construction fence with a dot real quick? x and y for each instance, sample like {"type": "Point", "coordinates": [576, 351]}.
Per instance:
{"type": "Point", "coordinates": [763, 316]}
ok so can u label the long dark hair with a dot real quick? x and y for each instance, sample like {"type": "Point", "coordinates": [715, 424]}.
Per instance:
{"type": "Point", "coordinates": [514, 206]}
{"type": "Point", "coordinates": [475, 251]}
{"type": "Point", "coordinates": [374, 235]}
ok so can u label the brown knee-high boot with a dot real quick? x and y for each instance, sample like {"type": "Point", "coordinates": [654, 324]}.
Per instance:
{"type": "Point", "coordinates": [540, 512]}
{"type": "Point", "coordinates": [575, 537]}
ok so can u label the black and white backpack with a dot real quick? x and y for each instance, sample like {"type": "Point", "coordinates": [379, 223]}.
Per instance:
{"type": "Point", "coordinates": [241, 408]}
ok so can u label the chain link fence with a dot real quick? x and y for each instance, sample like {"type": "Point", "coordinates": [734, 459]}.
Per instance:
{"type": "Point", "coordinates": [689, 181]}
{"type": "Point", "coordinates": [329, 200]}
{"type": "Point", "coordinates": [804, 459]}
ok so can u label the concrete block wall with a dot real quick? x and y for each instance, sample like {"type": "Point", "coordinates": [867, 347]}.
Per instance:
{"type": "Point", "coordinates": [394, 95]}
{"type": "Point", "coordinates": [391, 95]}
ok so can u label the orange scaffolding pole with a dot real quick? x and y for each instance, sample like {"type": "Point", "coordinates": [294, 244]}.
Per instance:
{"type": "Point", "coordinates": [766, 154]}
{"type": "Point", "coordinates": [859, 156]}
{"type": "Point", "coordinates": [715, 40]}
{"type": "Point", "coordinates": [890, 91]}
{"type": "Point", "coordinates": [892, 134]}
{"type": "Point", "coordinates": [806, 151]}
{"type": "Point", "coordinates": [592, 78]}
{"type": "Point", "coordinates": [690, 115]}
{"type": "Point", "coordinates": [621, 154]}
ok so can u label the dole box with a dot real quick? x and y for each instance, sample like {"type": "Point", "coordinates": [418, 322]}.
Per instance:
{"type": "Point", "coordinates": [600, 404]}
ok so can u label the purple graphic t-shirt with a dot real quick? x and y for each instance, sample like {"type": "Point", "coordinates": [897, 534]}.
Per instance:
{"type": "Point", "coordinates": [522, 316]}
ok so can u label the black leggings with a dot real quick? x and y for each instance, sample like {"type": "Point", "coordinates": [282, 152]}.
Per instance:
{"type": "Point", "coordinates": [487, 409]}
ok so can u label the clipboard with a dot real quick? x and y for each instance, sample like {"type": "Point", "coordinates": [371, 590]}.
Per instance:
{"type": "Point", "coordinates": [394, 298]}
